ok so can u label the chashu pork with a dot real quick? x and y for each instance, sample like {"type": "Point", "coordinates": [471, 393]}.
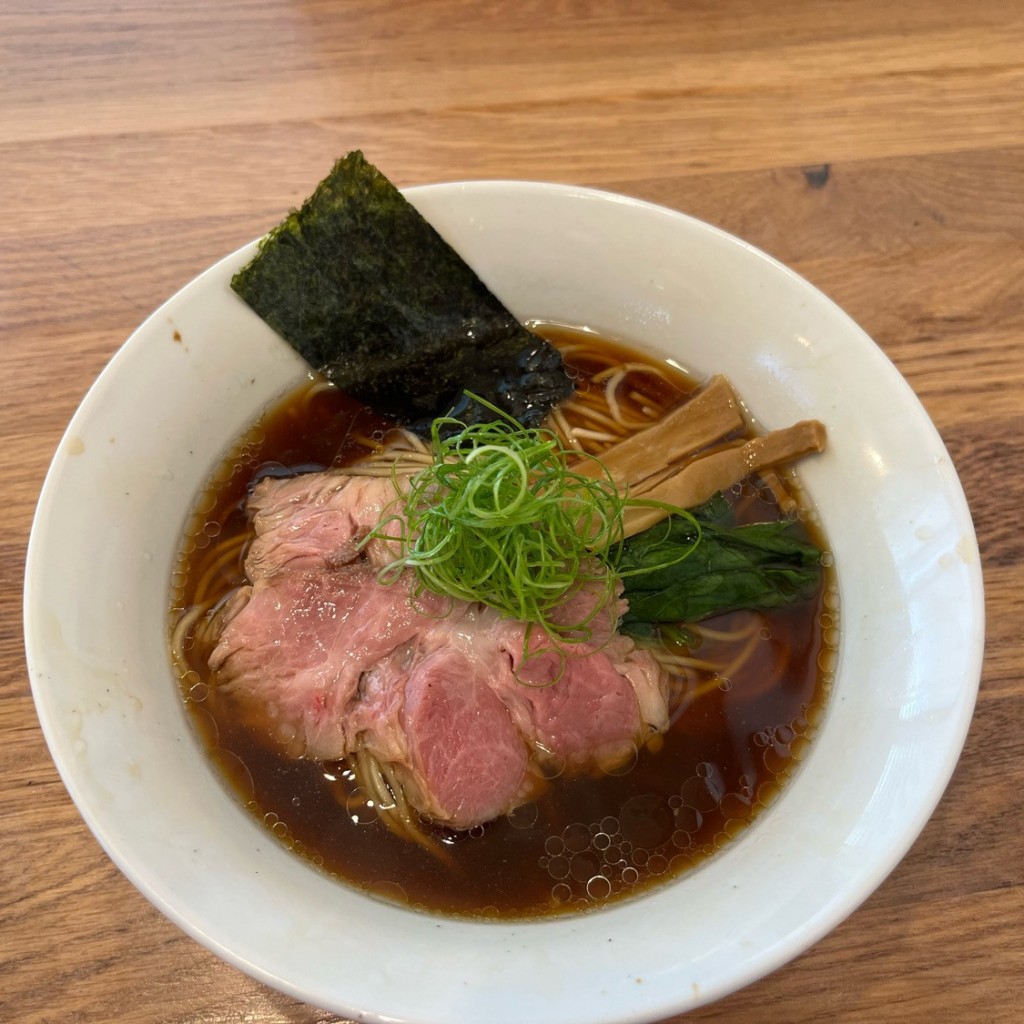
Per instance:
{"type": "Point", "coordinates": [461, 703]}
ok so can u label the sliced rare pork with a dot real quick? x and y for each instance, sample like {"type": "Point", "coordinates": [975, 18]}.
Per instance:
{"type": "Point", "coordinates": [318, 521]}
{"type": "Point", "coordinates": [320, 652]}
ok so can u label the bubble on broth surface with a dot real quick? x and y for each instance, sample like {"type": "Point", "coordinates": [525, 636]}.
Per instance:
{"type": "Point", "coordinates": [198, 691]}
{"type": "Point", "coordinates": [647, 821]}
{"type": "Point", "coordinates": [585, 865]}
{"type": "Point", "coordinates": [688, 818]}
{"type": "Point", "coordinates": [775, 760]}
{"type": "Point", "coordinates": [206, 726]}
{"type": "Point", "coordinates": [828, 659]}
{"type": "Point", "coordinates": [360, 809]}
{"type": "Point", "coordinates": [799, 747]}
{"type": "Point", "coordinates": [558, 867]}
{"type": "Point", "coordinates": [389, 891]}
{"type": "Point", "coordinates": [561, 893]}
{"type": "Point", "coordinates": [524, 816]}
{"type": "Point", "coordinates": [613, 854]}
{"type": "Point", "coordinates": [280, 829]}
{"type": "Point", "coordinates": [590, 862]}
{"type": "Point", "coordinates": [552, 767]}
{"type": "Point", "coordinates": [621, 765]}
{"type": "Point", "coordinates": [702, 792]}
{"type": "Point", "coordinates": [733, 805]}
{"type": "Point", "coordinates": [576, 837]}
{"type": "Point", "coordinates": [235, 769]}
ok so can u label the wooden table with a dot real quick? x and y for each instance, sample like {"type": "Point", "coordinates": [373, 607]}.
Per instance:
{"type": "Point", "coordinates": [878, 148]}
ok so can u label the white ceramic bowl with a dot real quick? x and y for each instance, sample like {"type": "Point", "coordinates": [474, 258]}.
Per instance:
{"type": "Point", "coordinates": [159, 418]}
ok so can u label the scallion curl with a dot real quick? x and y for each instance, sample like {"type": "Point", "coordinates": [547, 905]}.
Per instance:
{"type": "Point", "coordinates": [501, 519]}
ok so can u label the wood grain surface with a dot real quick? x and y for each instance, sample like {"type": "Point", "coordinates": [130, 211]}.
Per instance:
{"type": "Point", "coordinates": [876, 147]}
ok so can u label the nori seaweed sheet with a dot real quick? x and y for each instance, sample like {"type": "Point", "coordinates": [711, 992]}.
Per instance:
{"type": "Point", "coordinates": [369, 294]}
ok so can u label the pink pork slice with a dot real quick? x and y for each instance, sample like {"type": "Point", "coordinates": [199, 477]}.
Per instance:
{"type": "Point", "coordinates": [450, 738]}
{"type": "Point", "coordinates": [468, 761]}
{"type": "Point", "coordinates": [332, 661]}
{"type": "Point", "coordinates": [298, 647]}
{"type": "Point", "coordinates": [318, 521]}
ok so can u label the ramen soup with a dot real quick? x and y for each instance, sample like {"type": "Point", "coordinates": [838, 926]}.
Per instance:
{"type": "Point", "coordinates": [744, 692]}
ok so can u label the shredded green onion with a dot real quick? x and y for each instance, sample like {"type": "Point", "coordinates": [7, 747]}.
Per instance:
{"type": "Point", "coordinates": [500, 518]}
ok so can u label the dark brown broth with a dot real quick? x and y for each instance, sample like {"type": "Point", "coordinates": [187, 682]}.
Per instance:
{"type": "Point", "coordinates": [585, 840]}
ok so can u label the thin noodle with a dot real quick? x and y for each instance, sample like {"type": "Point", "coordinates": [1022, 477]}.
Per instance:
{"type": "Point", "coordinates": [591, 397]}
{"type": "Point", "coordinates": [399, 451]}
{"type": "Point", "coordinates": [728, 634]}
{"type": "Point", "coordinates": [181, 630]}
{"type": "Point", "coordinates": [367, 774]}
{"type": "Point", "coordinates": [560, 425]}
{"type": "Point", "coordinates": [605, 358]}
{"type": "Point", "coordinates": [593, 435]}
{"type": "Point", "coordinates": [596, 416]}
{"type": "Point", "coordinates": [742, 658]}
{"type": "Point", "coordinates": [714, 671]}
{"type": "Point", "coordinates": [610, 397]}
{"type": "Point", "coordinates": [651, 408]}
{"type": "Point", "coordinates": [766, 680]}
{"type": "Point", "coordinates": [396, 440]}
{"type": "Point", "coordinates": [317, 388]}
{"type": "Point", "coordinates": [223, 554]}
{"type": "Point", "coordinates": [679, 662]}
{"type": "Point", "coordinates": [404, 466]}
{"type": "Point", "coordinates": [628, 423]}
{"type": "Point", "coordinates": [621, 369]}
{"type": "Point", "coordinates": [393, 809]}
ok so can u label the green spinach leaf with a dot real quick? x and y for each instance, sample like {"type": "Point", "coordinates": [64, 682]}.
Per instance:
{"type": "Point", "coordinates": [758, 566]}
